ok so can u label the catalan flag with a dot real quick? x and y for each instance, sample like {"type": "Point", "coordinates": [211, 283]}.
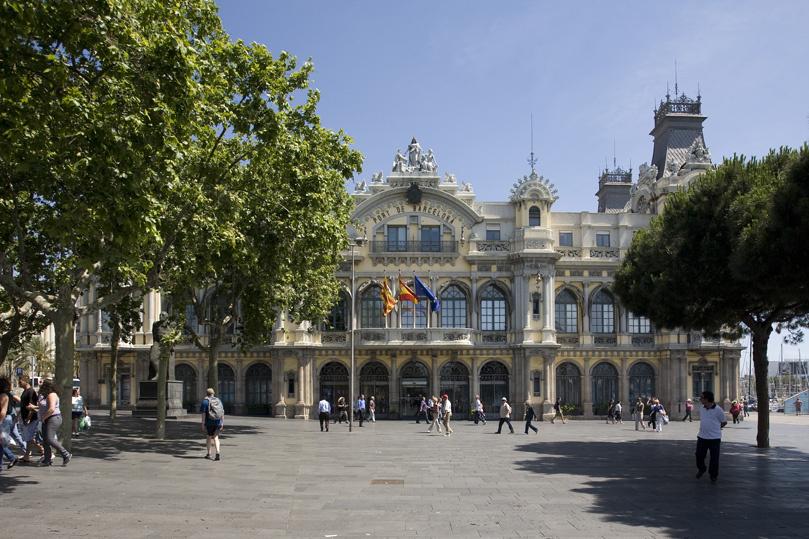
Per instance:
{"type": "Point", "coordinates": [406, 293]}
{"type": "Point", "coordinates": [388, 301]}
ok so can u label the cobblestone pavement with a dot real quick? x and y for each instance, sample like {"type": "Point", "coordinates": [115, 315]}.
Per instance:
{"type": "Point", "coordinates": [392, 479]}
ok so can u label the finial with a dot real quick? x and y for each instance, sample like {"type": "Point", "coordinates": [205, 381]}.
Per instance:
{"type": "Point", "coordinates": [699, 92]}
{"type": "Point", "coordinates": [532, 160]}
{"type": "Point", "coordinates": [668, 92]}
{"type": "Point", "coordinates": [676, 90]}
{"type": "Point", "coordinates": [614, 166]}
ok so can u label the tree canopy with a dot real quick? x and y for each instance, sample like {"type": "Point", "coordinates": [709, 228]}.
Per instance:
{"type": "Point", "coordinates": [725, 255]}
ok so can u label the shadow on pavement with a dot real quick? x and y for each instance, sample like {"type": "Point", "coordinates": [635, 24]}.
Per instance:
{"type": "Point", "coordinates": [651, 483]}
{"type": "Point", "coordinates": [107, 440]}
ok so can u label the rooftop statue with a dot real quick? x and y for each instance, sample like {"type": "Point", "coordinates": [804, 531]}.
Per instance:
{"type": "Point", "coordinates": [428, 163]}
{"type": "Point", "coordinates": [647, 174]}
{"type": "Point", "coordinates": [414, 155]}
{"type": "Point", "coordinates": [449, 178]}
{"type": "Point", "coordinates": [377, 177]}
{"type": "Point", "coordinates": [399, 162]}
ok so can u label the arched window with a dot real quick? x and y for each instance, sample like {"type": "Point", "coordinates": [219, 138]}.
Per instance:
{"type": "Point", "coordinates": [641, 381]}
{"type": "Point", "coordinates": [258, 383]}
{"type": "Point", "coordinates": [602, 313]}
{"type": "Point", "coordinates": [374, 383]}
{"type": "Point", "coordinates": [567, 312]}
{"type": "Point", "coordinates": [371, 308]}
{"type": "Point", "coordinates": [493, 310]}
{"type": "Point", "coordinates": [568, 385]}
{"type": "Point", "coordinates": [455, 383]}
{"type": "Point", "coordinates": [406, 309]}
{"type": "Point", "coordinates": [605, 386]}
{"type": "Point", "coordinates": [188, 376]}
{"type": "Point", "coordinates": [334, 383]}
{"type": "Point", "coordinates": [338, 318]}
{"type": "Point", "coordinates": [533, 216]}
{"type": "Point", "coordinates": [638, 324]}
{"type": "Point", "coordinates": [453, 308]}
{"type": "Point", "coordinates": [494, 385]}
{"type": "Point", "coordinates": [227, 386]}
{"type": "Point", "coordinates": [413, 384]}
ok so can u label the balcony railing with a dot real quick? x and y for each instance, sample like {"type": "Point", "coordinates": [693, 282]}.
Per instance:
{"type": "Point", "coordinates": [415, 336]}
{"type": "Point", "coordinates": [393, 246]}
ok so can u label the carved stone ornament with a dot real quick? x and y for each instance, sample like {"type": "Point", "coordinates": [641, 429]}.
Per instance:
{"type": "Point", "coordinates": [414, 194]}
{"type": "Point", "coordinates": [415, 161]}
{"type": "Point", "coordinates": [698, 153]}
{"type": "Point", "coordinates": [377, 177]}
{"type": "Point", "coordinates": [647, 174]}
{"type": "Point", "coordinates": [533, 187]}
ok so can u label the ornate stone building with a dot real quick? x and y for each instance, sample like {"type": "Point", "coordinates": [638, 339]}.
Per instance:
{"type": "Point", "coordinates": [526, 305]}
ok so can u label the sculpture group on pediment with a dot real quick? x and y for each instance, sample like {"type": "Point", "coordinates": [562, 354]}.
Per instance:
{"type": "Point", "coordinates": [414, 161]}
{"type": "Point", "coordinates": [376, 177]}
{"type": "Point", "coordinates": [449, 178]}
{"type": "Point", "coordinates": [698, 153]}
{"type": "Point", "coordinates": [647, 174]}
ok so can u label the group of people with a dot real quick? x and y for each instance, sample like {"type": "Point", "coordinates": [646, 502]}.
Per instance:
{"type": "Point", "coordinates": [362, 409]}
{"type": "Point", "coordinates": [658, 416]}
{"type": "Point", "coordinates": [31, 420]}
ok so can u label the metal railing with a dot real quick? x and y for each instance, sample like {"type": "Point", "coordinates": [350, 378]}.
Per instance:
{"type": "Point", "coordinates": [414, 246]}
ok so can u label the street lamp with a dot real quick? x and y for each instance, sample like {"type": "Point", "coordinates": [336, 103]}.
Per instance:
{"type": "Point", "coordinates": [358, 241]}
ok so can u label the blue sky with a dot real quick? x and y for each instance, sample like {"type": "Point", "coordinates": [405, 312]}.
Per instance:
{"type": "Point", "coordinates": [465, 76]}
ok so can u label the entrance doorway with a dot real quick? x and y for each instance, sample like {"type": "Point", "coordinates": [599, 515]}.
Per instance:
{"type": "Point", "coordinates": [374, 382]}
{"type": "Point", "coordinates": [493, 387]}
{"type": "Point", "coordinates": [334, 384]}
{"type": "Point", "coordinates": [414, 383]}
{"type": "Point", "coordinates": [455, 383]}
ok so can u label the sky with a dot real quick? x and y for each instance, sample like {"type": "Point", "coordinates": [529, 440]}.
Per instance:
{"type": "Point", "coordinates": [464, 77]}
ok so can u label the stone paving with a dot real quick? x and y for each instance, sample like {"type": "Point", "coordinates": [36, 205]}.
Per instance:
{"type": "Point", "coordinates": [391, 479]}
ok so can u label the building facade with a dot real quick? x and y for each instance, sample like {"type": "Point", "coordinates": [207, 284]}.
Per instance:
{"type": "Point", "coordinates": [526, 311]}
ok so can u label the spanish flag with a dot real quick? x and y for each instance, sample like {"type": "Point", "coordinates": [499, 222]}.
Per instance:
{"type": "Point", "coordinates": [406, 293]}
{"type": "Point", "coordinates": [388, 301]}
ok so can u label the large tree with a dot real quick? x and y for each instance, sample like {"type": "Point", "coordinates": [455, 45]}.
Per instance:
{"type": "Point", "coordinates": [716, 259]}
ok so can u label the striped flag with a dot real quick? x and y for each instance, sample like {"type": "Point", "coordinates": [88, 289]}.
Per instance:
{"type": "Point", "coordinates": [406, 293]}
{"type": "Point", "coordinates": [388, 300]}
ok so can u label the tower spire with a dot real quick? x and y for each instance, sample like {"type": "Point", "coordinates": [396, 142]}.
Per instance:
{"type": "Point", "coordinates": [532, 160]}
{"type": "Point", "coordinates": [676, 89]}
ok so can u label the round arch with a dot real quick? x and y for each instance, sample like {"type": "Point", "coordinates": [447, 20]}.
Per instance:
{"type": "Point", "coordinates": [258, 389]}
{"type": "Point", "coordinates": [374, 382]}
{"type": "Point", "coordinates": [454, 381]}
{"type": "Point", "coordinates": [494, 385]}
{"type": "Point", "coordinates": [642, 381]}
{"type": "Point", "coordinates": [568, 385]}
{"type": "Point", "coordinates": [333, 378]}
{"type": "Point", "coordinates": [605, 386]}
{"type": "Point", "coordinates": [187, 374]}
{"type": "Point", "coordinates": [227, 385]}
{"type": "Point", "coordinates": [414, 382]}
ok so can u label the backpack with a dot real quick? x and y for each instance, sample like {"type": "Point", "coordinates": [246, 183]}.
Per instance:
{"type": "Point", "coordinates": [215, 409]}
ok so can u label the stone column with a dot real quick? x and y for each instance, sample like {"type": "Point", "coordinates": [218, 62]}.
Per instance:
{"type": "Point", "coordinates": [240, 405]}
{"type": "Point", "coordinates": [435, 377]}
{"type": "Point", "coordinates": [587, 390]}
{"type": "Point", "coordinates": [585, 313]}
{"type": "Point", "coordinates": [300, 403]}
{"type": "Point", "coordinates": [473, 302]}
{"type": "Point", "coordinates": [624, 385]}
{"type": "Point", "coordinates": [548, 316]}
{"type": "Point", "coordinates": [393, 388]}
{"type": "Point", "coordinates": [475, 377]}
{"type": "Point", "coordinates": [549, 385]}
{"type": "Point", "coordinates": [279, 391]}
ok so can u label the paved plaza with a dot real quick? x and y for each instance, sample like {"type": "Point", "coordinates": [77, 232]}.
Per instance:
{"type": "Point", "coordinates": [391, 479]}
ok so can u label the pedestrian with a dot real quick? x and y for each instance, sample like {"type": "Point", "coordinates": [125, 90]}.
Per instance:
{"type": "Point", "coordinates": [213, 422]}
{"type": "Point", "coordinates": [79, 410]}
{"type": "Point", "coordinates": [798, 405]}
{"type": "Point", "coordinates": [639, 414]}
{"type": "Point", "coordinates": [505, 416]}
{"type": "Point", "coordinates": [51, 417]}
{"type": "Point", "coordinates": [361, 408]}
{"type": "Point", "coordinates": [323, 412]}
{"type": "Point", "coordinates": [610, 411]}
{"type": "Point", "coordinates": [557, 411]}
{"type": "Point", "coordinates": [711, 422]}
{"type": "Point", "coordinates": [6, 405]}
{"type": "Point", "coordinates": [689, 405]}
{"type": "Point", "coordinates": [436, 413]}
{"type": "Point", "coordinates": [29, 422]}
{"type": "Point", "coordinates": [616, 413]}
{"type": "Point", "coordinates": [735, 410]}
{"type": "Point", "coordinates": [342, 410]}
{"type": "Point", "coordinates": [14, 430]}
{"type": "Point", "coordinates": [480, 415]}
{"type": "Point", "coordinates": [660, 415]}
{"type": "Point", "coordinates": [425, 410]}
{"type": "Point", "coordinates": [446, 409]}
{"type": "Point", "coordinates": [745, 407]}
{"type": "Point", "coordinates": [372, 409]}
{"type": "Point", "coordinates": [529, 416]}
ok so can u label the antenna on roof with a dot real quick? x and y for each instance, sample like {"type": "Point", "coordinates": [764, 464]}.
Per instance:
{"type": "Point", "coordinates": [676, 90]}
{"type": "Point", "coordinates": [668, 92]}
{"type": "Point", "coordinates": [613, 153]}
{"type": "Point", "coordinates": [699, 92]}
{"type": "Point", "coordinates": [532, 160]}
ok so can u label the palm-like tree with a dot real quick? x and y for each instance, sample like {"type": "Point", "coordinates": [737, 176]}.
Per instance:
{"type": "Point", "coordinates": [37, 350]}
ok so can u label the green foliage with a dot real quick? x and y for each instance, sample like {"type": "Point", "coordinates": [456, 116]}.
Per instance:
{"type": "Point", "coordinates": [727, 255]}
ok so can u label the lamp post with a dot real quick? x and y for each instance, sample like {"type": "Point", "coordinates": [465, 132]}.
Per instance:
{"type": "Point", "coordinates": [358, 241]}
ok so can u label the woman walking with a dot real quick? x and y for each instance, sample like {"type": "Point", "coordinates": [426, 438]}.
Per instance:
{"type": "Point", "coordinates": [557, 412]}
{"type": "Point", "coordinates": [342, 410]}
{"type": "Point", "coordinates": [79, 410]}
{"type": "Point", "coordinates": [5, 422]}
{"type": "Point", "coordinates": [689, 405]}
{"type": "Point", "coordinates": [51, 419]}
{"type": "Point", "coordinates": [372, 409]}
{"type": "Point", "coordinates": [436, 411]}
{"type": "Point", "coordinates": [735, 410]}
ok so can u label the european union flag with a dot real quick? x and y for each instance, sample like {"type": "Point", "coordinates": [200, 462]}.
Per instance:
{"type": "Point", "coordinates": [422, 290]}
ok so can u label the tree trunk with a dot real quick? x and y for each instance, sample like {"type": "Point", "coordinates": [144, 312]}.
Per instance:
{"type": "Point", "coordinates": [213, 364]}
{"type": "Point", "coordinates": [65, 331]}
{"type": "Point", "coordinates": [761, 337]}
{"type": "Point", "coordinates": [116, 335]}
{"type": "Point", "coordinates": [162, 378]}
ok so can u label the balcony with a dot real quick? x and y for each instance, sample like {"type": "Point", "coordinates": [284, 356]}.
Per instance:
{"type": "Point", "coordinates": [416, 336]}
{"type": "Point", "coordinates": [391, 246]}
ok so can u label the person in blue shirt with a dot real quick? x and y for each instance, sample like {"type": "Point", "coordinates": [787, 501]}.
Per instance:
{"type": "Point", "coordinates": [212, 427]}
{"type": "Point", "coordinates": [361, 408]}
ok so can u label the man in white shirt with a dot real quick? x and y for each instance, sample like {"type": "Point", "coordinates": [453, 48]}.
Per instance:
{"type": "Point", "coordinates": [505, 416]}
{"type": "Point", "coordinates": [324, 409]}
{"type": "Point", "coordinates": [711, 421]}
{"type": "Point", "coordinates": [446, 408]}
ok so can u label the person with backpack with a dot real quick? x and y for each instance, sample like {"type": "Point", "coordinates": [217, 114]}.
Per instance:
{"type": "Point", "coordinates": [213, 422]}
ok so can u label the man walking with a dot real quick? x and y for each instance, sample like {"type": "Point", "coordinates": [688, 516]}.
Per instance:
{"type": "Point", "coordinates": [361, 408]}
{"type": "Point", "coordinates": [711, 422]}
{"type": "Point", "coordinates": [323, 411]}
{"type": "Point", "coordinates": [424, 408]}
{"type": "Point", "coordinates": [213, 422]}
{"type": "Point", "coordinates": [479, 414]}
{"type": "Point", "coordinates": [529, 416]}
{"type": "Point", "coordinates": [798, 406]}
{"type": "Point", "coordinates": [447, 409]}
{"type": "Point", "coordinates": [505, 416]}
{"type": "Point", "coordinates": [639, 414]}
